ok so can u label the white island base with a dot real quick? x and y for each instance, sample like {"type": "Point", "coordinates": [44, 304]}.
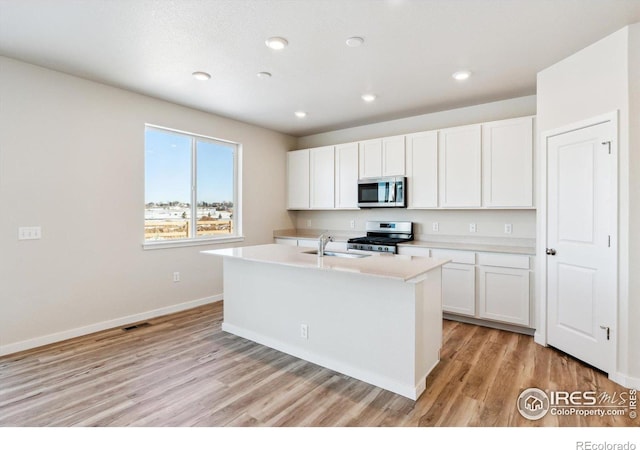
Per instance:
{"type": "Point", "coordinates": [384, 331]}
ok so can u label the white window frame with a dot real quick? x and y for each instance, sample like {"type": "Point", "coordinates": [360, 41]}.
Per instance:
{"type": "Point", "coordinates": [237, 196]}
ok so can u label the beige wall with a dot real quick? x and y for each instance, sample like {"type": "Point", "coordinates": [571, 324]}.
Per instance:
{"type": "Point", "coordinates": [601, 79]}
{"type": "Point", "coordinates": [72, 162]}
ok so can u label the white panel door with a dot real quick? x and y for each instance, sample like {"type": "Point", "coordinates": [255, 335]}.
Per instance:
{"type": "Point", "coordinates": [393, 156]}
{"type": "Point", "coordinates": [582, 261]}
{"type": "Point", "coordinates": [298, 179]}
{"type": "Point", "coordinates": [460, 167]}
{"type": "Point", "coordinates": [422, 169]}
{"type": "Point", "coordinates": [507, 163]}
{"type": "Point", "coordinates": [322, 184]}
{"type": "Point", "coordinates": [371, 158]}
{"type": "Point", "coordinates": [347, 176]}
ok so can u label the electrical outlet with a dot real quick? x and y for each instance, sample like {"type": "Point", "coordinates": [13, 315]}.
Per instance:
{"type": "Point", "coordinates": [472, 228]}
{"type": "Point", "coordinates": [508, 228]}
{"type": "Point", "coordinates": [176, 277]}
{"type": "Point", "coordinates": [435, 226]}
{"type": "Point", "coordinates": [304, 331]}
{"type": "Point", "coordinates": [29, 233]}
{"type": "Point", "coordinates": [352, 224]}
{"type": "Point", "coordinates": [309, 223]}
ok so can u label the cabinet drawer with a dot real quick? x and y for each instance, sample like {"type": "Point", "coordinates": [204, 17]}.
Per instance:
{"type": "Point", "coordinates": [413, 251]}
{"type": "Point", "coordinates": [456, 256]}
{"type": "Point", "coordinates": [504, 260]}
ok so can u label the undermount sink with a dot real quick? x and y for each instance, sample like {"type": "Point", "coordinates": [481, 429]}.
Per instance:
{"type": "Point", "coordinates": [339, 254]}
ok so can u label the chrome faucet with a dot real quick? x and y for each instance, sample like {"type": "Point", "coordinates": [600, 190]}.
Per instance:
{"type": "Point", "coordinates": [322, 243]}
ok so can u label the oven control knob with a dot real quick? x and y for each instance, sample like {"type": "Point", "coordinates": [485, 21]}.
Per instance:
{"type": "Point", "coordinates": [379, 249]}
{"type": "Point", "coordinates": [370, 248]}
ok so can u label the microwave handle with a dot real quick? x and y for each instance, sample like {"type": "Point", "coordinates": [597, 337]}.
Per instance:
{"type": "Point", "coordinates": [392, 191]}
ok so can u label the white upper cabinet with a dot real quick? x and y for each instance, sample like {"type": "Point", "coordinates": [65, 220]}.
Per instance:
{"type": "Point", "coordinates": [298, 179]}
{"type": "Point", "coordinates": [371, 158]}
{"type": "Point", "coordinates": [459, 153]}
{"type": "Point", "coordinates": [346, 176]}
{"type": "Point", "coordinates": [321, 167]}
{"type": "Point", "coordinates": [507, 163]}
{"type": "Point", "coordinates": [422, 169]}
{"type": "Point", "coordinates": [393, 156]}
{"type": "Point", "coordinates": [382, 157]}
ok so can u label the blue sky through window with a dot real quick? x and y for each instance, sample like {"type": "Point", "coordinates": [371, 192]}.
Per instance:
{"type": "Point", "coordinates": [168, 168]}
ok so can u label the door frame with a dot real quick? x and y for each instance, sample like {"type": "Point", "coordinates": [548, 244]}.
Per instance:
{"type": "Point", "coordinates": [540, 335]}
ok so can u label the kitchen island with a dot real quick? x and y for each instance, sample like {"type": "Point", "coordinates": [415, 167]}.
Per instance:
{"type": "Point", "coordinates": [376, 318]}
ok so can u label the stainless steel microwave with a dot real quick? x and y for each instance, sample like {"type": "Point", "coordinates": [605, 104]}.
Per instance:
{"type": "Point", "coordinates": [387, 192]}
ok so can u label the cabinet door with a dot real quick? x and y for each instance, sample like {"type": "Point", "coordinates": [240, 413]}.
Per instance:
{"type": "Point", "coordinates": [346, 176]}
{"type": "Point", "coordinates": [422, 170]}
{"type": "Point", "coordinates": [459, 152]}
{"type": "Point", "coordinates": [322, 183]}
{"type": "Point", "coordinates": [507, 163]}
{"type": "Point", "coordinates": [459, 289]}
{"type": "Point", "coordinates": [298, 179]}
{"type": "Point", "coordinates": [393, 156]}
{"type": "Point", "coordinates": [371, 158]}
{"type": "Point", "coordinates": [504, 294]}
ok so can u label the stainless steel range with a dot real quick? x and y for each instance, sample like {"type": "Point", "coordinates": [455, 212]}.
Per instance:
{"type": "Point", "coordinates": [382, 237]}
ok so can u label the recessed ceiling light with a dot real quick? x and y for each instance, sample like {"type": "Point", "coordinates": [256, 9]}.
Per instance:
{"type": "Point", "coordinates": [355, 41]}
{"type": "Point", "coordinates": [461, 75]}
{"type": "Point", "coordinates": [300, 114]}
{"type": "Point", "coordinates": [264, 75]}
{"type": "Point", "coordinates": [276, 43]}
{"type": "Point", "coordinates": [202, 76]}
{"type": "Point", "coordinates": [368, 97]}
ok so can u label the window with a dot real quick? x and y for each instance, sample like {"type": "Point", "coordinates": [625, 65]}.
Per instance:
{"type": "Point", "coordinates": [191, 191]}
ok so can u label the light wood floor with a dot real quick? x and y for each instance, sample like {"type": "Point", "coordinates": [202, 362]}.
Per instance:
{"type": "Point", "coordinates": [182, 370]}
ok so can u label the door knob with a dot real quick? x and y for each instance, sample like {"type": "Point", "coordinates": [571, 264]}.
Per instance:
{"type": "Point", "coordinates": [551, 251]}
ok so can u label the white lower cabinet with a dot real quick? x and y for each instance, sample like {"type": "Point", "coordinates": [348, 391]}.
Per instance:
{"type": "Point", "coordinates": [459, 289]}
{"type": "Point", "coordinates": [504, 288]}
{"type": "Point", "coordinates": [458, 281]}
{"type": "Point", "coordinates": [503, 284]}
{"type": "Point", "coordinates": [503, 294]}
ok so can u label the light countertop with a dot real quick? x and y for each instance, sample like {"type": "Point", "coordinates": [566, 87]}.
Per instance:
{"type": "Point", "coordinates": [499, 246]}
{"type": "Point", "coordinates": [400, 267]}
{"type": "Point", "coordinates": [473, 247]}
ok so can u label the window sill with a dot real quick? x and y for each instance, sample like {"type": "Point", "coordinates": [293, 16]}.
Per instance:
{"type": "Point", "coordinates": [157, 245]}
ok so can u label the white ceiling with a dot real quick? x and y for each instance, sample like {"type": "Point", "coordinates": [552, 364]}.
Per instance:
{"type": "Point", "coordinates": [411, 49]}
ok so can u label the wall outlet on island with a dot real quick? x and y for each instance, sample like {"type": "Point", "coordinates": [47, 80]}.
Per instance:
{"type": "Point", "coordinates": [435, 226]}
{"type": "Point", "coordinates": [508, 228]}
{"type": "Point", "coordinates": [472, 228]}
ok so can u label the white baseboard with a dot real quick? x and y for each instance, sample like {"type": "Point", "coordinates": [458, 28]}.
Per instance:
{"type": "Point", "coordinates": [625, 380]}
{"type": "Point", "coordinates": [101, 326]}
{"type": "Point", "coordinates": [411, 392]}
